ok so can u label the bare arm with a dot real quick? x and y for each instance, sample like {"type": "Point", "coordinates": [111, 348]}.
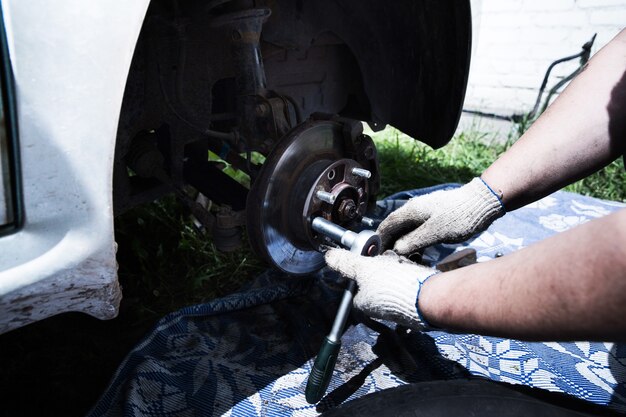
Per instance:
{"type": "Point", "coordinates": [581, 132]}
{"type": "Point", "coordinates": [571, 286]}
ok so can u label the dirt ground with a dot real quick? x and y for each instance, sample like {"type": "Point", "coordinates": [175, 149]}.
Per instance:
{"type": "Point", "coordinates": [61, 365]}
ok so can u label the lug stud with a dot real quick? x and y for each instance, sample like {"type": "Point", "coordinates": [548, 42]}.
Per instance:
{"type": "Point", "coordinates": [366, 221]}
{"type": "Point", "coordinates": [326, 197]}
{"type": "Point", "coordinates": [360, 172]}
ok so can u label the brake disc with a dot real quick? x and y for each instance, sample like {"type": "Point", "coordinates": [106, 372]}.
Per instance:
{"type": "Point", "coordinates": [314, 157]}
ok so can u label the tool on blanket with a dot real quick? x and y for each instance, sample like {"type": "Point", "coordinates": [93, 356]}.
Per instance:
{"type": "Point", "coordinates": [366, 243]}
{"type": "Point", "coordinates": [457, 260]}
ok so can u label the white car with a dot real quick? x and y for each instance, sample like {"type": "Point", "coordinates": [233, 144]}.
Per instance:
{"type": "Point", "coordinates": [111, 104]}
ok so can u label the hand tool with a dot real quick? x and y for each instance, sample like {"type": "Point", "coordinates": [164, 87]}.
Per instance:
{"type": "Point", "coordinates": [366, 243]}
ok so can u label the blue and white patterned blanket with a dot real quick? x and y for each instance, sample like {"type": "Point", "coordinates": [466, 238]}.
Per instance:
{"type": "Point", "coordinates": [250, 353]}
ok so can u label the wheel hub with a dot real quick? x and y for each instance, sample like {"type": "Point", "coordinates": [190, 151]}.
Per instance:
{"type": "Point", "coordinates": [337, 195]}
{"type": "Point", "coordinates": [315, 171]}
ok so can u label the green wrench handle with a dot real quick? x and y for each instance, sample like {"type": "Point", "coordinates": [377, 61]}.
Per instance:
{"type": "Point", "coordinates": [324, 364]}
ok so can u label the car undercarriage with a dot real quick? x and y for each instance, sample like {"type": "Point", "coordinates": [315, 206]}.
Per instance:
{"type": "Point", "coordinates": [278, 90]}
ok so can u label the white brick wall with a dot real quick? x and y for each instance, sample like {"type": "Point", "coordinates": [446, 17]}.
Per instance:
{"type": "Point", "coordinates": [516, 40]}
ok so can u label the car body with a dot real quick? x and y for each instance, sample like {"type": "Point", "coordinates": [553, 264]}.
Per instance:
{"type": "Point", "coordinates": [84, 80]}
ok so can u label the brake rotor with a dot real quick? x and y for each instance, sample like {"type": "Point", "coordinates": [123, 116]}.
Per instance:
{"type": "Point", "coordinates": [309, 173]}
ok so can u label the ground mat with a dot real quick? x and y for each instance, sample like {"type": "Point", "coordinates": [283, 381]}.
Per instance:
{"type": "Point", "coordinates": [250, 353]}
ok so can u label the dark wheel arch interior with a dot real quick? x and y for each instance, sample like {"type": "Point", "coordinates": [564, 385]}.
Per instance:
{"type": "Point", "coordinates": [403, 63]}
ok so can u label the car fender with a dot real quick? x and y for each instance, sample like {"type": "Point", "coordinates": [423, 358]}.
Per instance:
{"type": "Point", "coordinates": [70, 61]}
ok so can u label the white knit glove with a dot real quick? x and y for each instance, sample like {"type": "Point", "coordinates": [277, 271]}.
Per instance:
{"type": "Point", "coordinates": [449, 216]}
{"type": "Point", "coordinates": [388, 285]}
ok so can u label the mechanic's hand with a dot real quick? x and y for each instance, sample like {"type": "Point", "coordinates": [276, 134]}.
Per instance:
{"type": "Point", "coordinates": [388, 285]}
{"type": "Point", "coordinates": [449, 216]}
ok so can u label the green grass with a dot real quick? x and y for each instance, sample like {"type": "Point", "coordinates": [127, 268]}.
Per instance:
{"type": "Point", "coordinates": [165, 263]}
{"type": "Point", "coordinates": [406, 163]}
